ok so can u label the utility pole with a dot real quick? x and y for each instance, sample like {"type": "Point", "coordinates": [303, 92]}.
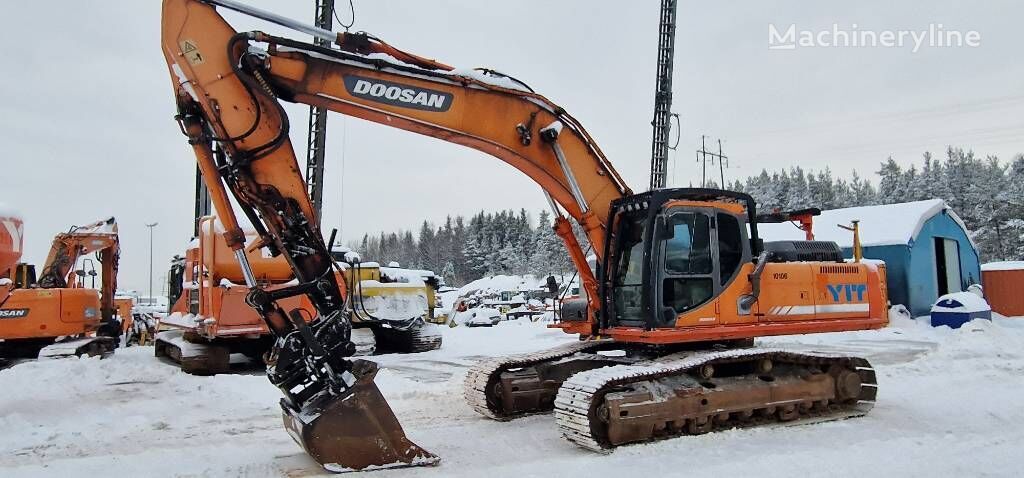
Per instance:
{"type": "Point", "coordinates": [316, 147]}
{"type": "Point", "coordinates": [663, 93]}
{"type": "Point", "coordinates": [151, 226]}
{"type": "Point", "coordinates": [703, 156]}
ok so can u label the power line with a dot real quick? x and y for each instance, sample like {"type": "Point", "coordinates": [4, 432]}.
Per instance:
{"type": "Point", "coordinates": [704, 156]}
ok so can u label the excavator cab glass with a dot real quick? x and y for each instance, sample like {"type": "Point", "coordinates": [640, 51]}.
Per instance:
{"type": "Point", "coordinates": [628, 270]}
{"type": "Point", "coordinates": [688, 264]}
{"type": "Point", "coordinates": [671, 260]}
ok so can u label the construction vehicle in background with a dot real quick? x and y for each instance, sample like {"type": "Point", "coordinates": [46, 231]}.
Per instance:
{"type": "Point", "coordinates": [55, 315]}
{"type": "Point", "coordinates": [12, 231]}
{"type": "Point", "coordinates": [682, 287]}
{"type": "Point", "coordinates": [395, 304]}
{"type": "Point", "coordinates": [209, 319]}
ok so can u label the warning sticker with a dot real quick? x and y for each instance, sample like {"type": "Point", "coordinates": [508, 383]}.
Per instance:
{"type": "Point", "coordinates": [191, 52]}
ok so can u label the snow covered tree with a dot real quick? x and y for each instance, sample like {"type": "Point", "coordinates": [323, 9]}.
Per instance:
{"type": "Point", "coordinates": [891, 184]}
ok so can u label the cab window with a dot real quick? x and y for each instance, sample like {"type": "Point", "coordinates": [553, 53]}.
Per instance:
{"type": "Point", "coordinates": [628, 274]}
{"type": "Point", "coordinates": [688, 262]}
{"type": "Point", "coordinates": [688, 249]}
{"type": "Point", "coordinates": [730, 247]}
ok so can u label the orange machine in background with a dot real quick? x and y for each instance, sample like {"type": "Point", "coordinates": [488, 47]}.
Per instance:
{"type": "Point", "coordinates": [53, 315]}
{"type": "Point", "coordinates": [209, 318]}
{"type": "Point", "coordinates": [11, 244]}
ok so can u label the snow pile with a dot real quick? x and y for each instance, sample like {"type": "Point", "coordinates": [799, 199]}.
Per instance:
{"type": "Point", "coordinates": [964, 302]}
{"type": "Point", "coordinates": [489, 78]}
{"type": "Point", "coordinates": [476, 315]}
{"type": "Point", "coordinates": [107, 226]}
{"type": "Point", "coordinates": [884, 225]}
{"type": "Point", "coordinates": [187, 321]}
{"type": "Point", "coordinates": [409, 276]}
{"type": "Point", "coordinates": [500, 283]}
{"type": "Point", "coordinates": [340, 249]}
{"type": "Point", "coordinates": [396, 306]}
{"type": "Point", "coordinates": [1003, 266]}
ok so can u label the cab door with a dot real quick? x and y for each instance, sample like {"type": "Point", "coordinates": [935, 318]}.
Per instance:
{"type": "Point", "coordinates": [701, 251]}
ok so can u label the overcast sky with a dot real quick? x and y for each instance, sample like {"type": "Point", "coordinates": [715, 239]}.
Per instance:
{"type": "Point", "coordinates": [88, 130]}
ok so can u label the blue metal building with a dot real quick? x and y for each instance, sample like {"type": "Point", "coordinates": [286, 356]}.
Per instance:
{"type": "Point", "coordinates": [925, 246]}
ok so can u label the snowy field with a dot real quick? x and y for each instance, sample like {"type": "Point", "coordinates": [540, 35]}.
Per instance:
{"type": "Point", "coordinates": [949, 405]}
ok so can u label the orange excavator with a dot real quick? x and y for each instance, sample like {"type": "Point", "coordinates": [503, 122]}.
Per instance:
{"type": "Point", "coordinates": [209, 318]}
{"type": "Point", "coordinates": [55, 315]}
{"type": "Point", "coordinates": [667, 321]}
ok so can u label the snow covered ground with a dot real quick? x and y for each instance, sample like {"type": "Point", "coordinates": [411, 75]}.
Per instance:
{"type": "Point", "coordinates": [949, 405]}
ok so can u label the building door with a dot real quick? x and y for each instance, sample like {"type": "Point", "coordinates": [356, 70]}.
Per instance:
{"type": "Point", "coordinates": [947, 265]}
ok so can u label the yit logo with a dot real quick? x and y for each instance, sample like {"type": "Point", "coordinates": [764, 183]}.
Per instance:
{"type": "Point", "coordinates": [13, 313]}
{"type": "Point", "coordinates": [397, 94]}
{"type": "Point", "coordinates": [15, 229]}
{"type": "Point", "coordinates": [847, 292]}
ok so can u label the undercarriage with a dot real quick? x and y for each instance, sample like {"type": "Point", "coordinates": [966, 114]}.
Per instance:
{"type": "Point", "coordinates": [605, 394]}
{"type": "Point", "coordinates": [65, 347]}
{"type": "Point", "coordinates": [199, 355]}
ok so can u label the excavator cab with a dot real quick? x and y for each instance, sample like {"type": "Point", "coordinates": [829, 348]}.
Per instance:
{"type": "Point", "coordinates": [673, 251]}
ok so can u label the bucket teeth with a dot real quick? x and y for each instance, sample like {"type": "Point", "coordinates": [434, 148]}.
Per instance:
{"type": "Point", "coordinates": [354, 430]}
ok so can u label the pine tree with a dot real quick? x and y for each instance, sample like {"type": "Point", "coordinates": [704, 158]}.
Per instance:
{"type": "Point", "coordinates": [822, 190]}
{"type": "Point", "coordinates": [798, 194]}
{"type": "Point", "coordinates": [862, 193]}
{"type": "Point", "coordinates": [891, 188]}
{"type": "Point", "coordinates": [426, 247]}
{"type": "Point", "coordinates": [1013, 218]}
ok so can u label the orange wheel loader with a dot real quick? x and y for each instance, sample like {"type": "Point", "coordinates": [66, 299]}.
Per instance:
{"type": "Point", "coordinates": [682, 288]}
{"type": "Point", "coordinates": [54, 315]}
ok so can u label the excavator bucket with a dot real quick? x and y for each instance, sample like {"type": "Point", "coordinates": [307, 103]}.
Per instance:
{"type": "Point", "coordinates": [355, 431]}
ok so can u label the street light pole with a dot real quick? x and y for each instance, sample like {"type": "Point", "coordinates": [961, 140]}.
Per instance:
{"type": "Point", "coordinates": [151, 226]}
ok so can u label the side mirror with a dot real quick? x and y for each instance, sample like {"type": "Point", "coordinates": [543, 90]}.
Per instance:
{"type": "Point", "coordinates": [80, 273]}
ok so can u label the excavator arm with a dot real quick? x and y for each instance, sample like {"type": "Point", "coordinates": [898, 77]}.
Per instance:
{"type": "Point", "coordinates": [229, 87]}
{"type": "Point", "coordinates": [100, 237]}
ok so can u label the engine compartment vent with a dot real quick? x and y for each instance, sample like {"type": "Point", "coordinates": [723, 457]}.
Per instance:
{"type": "Point", "coordinates": [804, 251]}
{"type": "Point", "coordinates": [844, 269]}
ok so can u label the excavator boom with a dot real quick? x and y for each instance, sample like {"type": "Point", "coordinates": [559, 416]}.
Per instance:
{"type": "Point", "coordinates": [100, 237]}
{"type": "Point", "coordinates": [229, 85]}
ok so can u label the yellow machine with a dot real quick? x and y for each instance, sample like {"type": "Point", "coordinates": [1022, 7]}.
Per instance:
{"type": "Point", "coordinates": [394, 303]}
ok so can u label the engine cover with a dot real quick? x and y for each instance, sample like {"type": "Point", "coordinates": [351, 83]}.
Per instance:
{"type": "Point", "coordinates": [804, 251]}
